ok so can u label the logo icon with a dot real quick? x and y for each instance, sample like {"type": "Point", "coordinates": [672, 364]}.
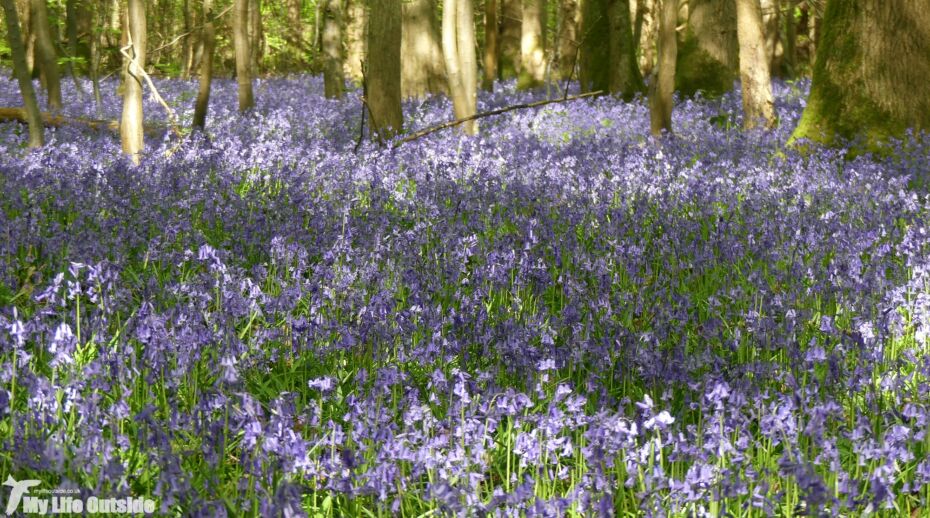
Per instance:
{"type": "Point", "coordinates": [19, 487]}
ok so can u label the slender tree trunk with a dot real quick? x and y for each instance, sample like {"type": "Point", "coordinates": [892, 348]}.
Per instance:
{"type": "Point", "coordinates": [624, 78]}
{"type": "Point", "coordinates": [491, 47]}
{"type": "Point", "coordinates": [383, 78]}
{"type": "Point", "coordinates": [15, 40]}
{"type": "Point", "coordinates": [131, 131]}
{"type": "Point", "coordinates": [758, 104]}
{"type": "Point", "coordinates": [661, 102]}
{"type": "Point", "coordinates": [333, 79]}
{"type": "Point", "coordinates": [532, 44]}
{"type": "Point", "coordinates": [871, 74]}
{"type": "Point", "coordinates": [465, 32]}
{"type": "Point", "coordinates": [48, 61]}
{"type": "Point", "coordinates": [511, 26]}
{"type": "Point", "coordinates": [422, 69]}
{"type": "Point", "coordinates": [458, 43]}
{"type": "Point", "coordinates": [594, 54]}
{"type": "Point", "coordinates": [24, 10]}
{"type": "Point", "coordinates": [356, 40]}
{"type": "Point", "coordinates": [771, 31]}
{"type": "Point", "coordinates": [187, 49]}
{"type": "Point", "coordinates": [206, 67]}
{"type": "Point", "coordinates": [568, 36]}
{"type": "Point", "coordinates": [94, 67]}
{"type": "Point", "coordinates": [71, 30]}
{"type": "Point", "coordinates": [295, 30]}
{"type": "Point", "coordinates": [708, 59]}
{"type": "Point", "coordinates": [243, 55]}
{"type": "Point", "coordinates": [645, 31]}
{"type": "Point", "coordinates": [256, 36]}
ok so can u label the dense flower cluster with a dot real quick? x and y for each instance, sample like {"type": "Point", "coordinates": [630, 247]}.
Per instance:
{"type": "Point", "coordinates": [559, 316]}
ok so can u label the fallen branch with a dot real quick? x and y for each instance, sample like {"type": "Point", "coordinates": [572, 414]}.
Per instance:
{"type": "Point", "coordinates": [56, 120]}
{"type": "Point", "coordinates": [498, 111]}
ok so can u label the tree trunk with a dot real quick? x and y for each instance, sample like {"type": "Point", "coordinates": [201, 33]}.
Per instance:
{"type": "Point", "coordinates": [187, 49]}
{"type": "Point", "coordinates": [295, 31]}
{"type": "Point", "coordinates": [333, 79]}
{"type": "Point", "coordinates": [594, 54]}
{"type": "Point", "coordinates": [356, 40]}
{"type": "Point", "coordinates": [24, 12]}
{"type": "Point", "coordinates": [645, 33]}
{"type": "Point", "coordinates": [48, 61]}
{"type": "Point", "coordinates": [383, 77]}
{"type": "Point", "coordinates": [758, 104]}
{"type": "Point", "coordinates": [491, 47]}
{"type": "Point", "coordinates": [510, 29]}
{"type": "Point", "coordinates": [708, 59]}
{"type": "Point", "coordinates": [422, 68]}
{"type": "Point", "coordinates": [791, 40]}
{"type": "Point", "coordinates": [94, 67]}
{"type": "Point", "coordinates": [243, 58]}
{"type": "Point", "coordinates": [532, 44]}
{"type": "Point", "coordinates": [15, 40]}
{"type": "Point", "coordinates": [458, 43]}
{"type": "Point", "coordinates": [206, 67]}
{"type": "Point", "coordinates": [623, 73]}
{"type": "Point", "coordinates": [256, 37]}
{"type": "Point", "coordinates": [71, 31]}
{"type": "Point", "coordinates": [771, 30]}
{"type": "Point", "coordinates": [662, 90]}
{"type": "Point", "coordinates": [131, 129]}
{"type": "Point", "coordinates": [871, 73]}
{"type": "Point", "coordinates": [570, 13]}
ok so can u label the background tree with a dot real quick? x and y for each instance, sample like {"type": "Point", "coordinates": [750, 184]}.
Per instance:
{"type": "Point", "coordinates": [135, 33]}
{"type": "Point", "coordinates": [356, 39]}
{"type": "Point", "coordinates": [491, 46]}
{"type": "Point", "coordinates": [458, 49]}
{"type": "Point", "coordinates": [511, 27]}
{"type": "Point", "coordinates": [333, 78]}
{"type": "Point", "coordinates": [206, 67]}
{"type": "Point", "coordinates": [532, 43]}
{"type": "Point", "coordinates": [567, 37]}
{"type": "Point", "coordinates": [661, 98]}
{"type": "Point", "coordinates": [383, 77]}
{"type": "Point", "coordinates": [241, 41]}
{"type": "Point", "coordinates": [708, 58]}
{"type": "Point", "coordinates": [871, 74]}
{"type": "Point", "coordinates": [15, 40]}
{"type": "Point", "coordinates": [422, 69]}
{"type": "Point", "coordinates": [623, 70]}
{"type": "Point", "coordinates": [645, 33]}
{"type": "Point", "coordinates": [758, 104]}
{"type": "Point", "coordinates": [48, 60]}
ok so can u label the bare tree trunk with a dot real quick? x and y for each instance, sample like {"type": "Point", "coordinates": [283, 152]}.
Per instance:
{"type": "Point", "coordinates": [295, 30]}
{"type": "Point", "coordinates": [624, 78]}
{"type": "Point", "coordinates": [465, 32]}
{"type": "Point", "coordinates": [256, 37]}
{"type": "Point", "coordinates": [356, 40]}
{"type": "Point", "coordinates": [532, 44]}
{"type": "Point", "coordinates": [568, 36]}
{"type": "Point", "coordinates": [333, 79]}
{"type": "Point", "coordinates": [871, 74]}
{"type": "Point", "coordinates": [15, 40]}
{"type": "Point", "coordinates": [708, 59]}
{"type": "Point", "coordinates": [243, 55]}
{"type": "Point", "coordinates": [457, 38]}
{"type": "Point", "coordinates": [771, 31]}
{"type": "Point", "coordinates": [206, 67]}
{"type": "Point", "coordinates": [95, 62]}
{"type": "Point", "coordinates": [131, 129]}
{"type": "Point", "coordinates": [758, 104]}
{"type": "Point", "coordinates": [662, 90]}
{"type": "Point", "coordinates": [594, 54]}
{"type": "Point", "coordinates": [645, 34]}
{"type": "Point", "coordinates": [187, 49]}
{"type": "Point", "coordinates": [491, 47]}
{"type": "Point", "coordinates": [24, 11]}
{"type": "Point", "coordinates": [383, 78]}
{"type": "Point", "coordinates": [48, 61]}
{"type": "Point", "coordinates": [510, 29]}
{"type": "Point", "coordinates": [422, 69]}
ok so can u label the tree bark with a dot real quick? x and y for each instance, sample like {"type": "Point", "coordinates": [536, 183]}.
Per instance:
{"type": "Point", "coordinates": [491, 46]}
{"type": "Point", "coordinates": [21, 70]}
{"type": "Point", "coordinates": [240, 17]}
{"type": "Point", "coordinates": [458, 43]}
{"type": "Point", "coordinates": [623, 71]}
{"type": "Point", "coordinates": [295, 30]}
{"type": "Point", "coordinates": [662, 90]}
{"type": "Point", "coordinates": [708, 59]}
{"type": "Point", "coordinates": [333, 79]}
{"type": "Point", "coordinates": [871, 73]}
{"type": "Point", "coordinates": [383, 77]}
{"type": "Point", "coordinates": [187, 48]}
{"type": "Point", "coordinates": [791, 40]}
{"type": "Point", "coordinates": [48, 61]}
{"type": "Point", "coordinates": [356, 40]}
{"type": "Point", "coordinates": [206, 67]}
{"type": "Point", "coordinates": [532, 44]}
{"type": "Point", "coordinates": [131, 127]}
{"type": "Point", "coordinates": [256, 37]}
{"type": "Point", "coordinates": [568, 36]}
{"type": "Point", "coordinates": [510, 29]}
{"type": "Point", "coordinates": [758, 104]}
{"type": "Point", "coordinates": [422, 69]}
{"type": "Point", "coordinates": [645, 33]}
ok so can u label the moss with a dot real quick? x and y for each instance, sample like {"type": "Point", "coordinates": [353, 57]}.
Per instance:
{"type": "Point", "coordinates": [697, 71]}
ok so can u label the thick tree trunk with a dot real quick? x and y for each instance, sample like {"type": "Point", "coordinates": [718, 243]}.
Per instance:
{"type": "Point", "coordinates": [295, 30]}
{"type": "Point", "coordinates": [511, 26]}
{"type": "Point", "coordinates": [356, 40]}
{"type": "Point", "coordinates": [758, 104]}
{"type": "Point", "coordinates": [333, 79]}
{"type": "Point", "coordinates": [383, 77]}
{"type": "Point", "coordinates": [15, 40]}
{"type": "Point", "coordinates": [131, 128]}
{"type": "Point", "coordinates": [623, 74]}
{"type": "Point", "coordinates": [662, 90]}
{"type": "Point", "coordinates": [491, 46]}
{"type": "Point", "coordinates": [570, 14]}
{"type": "Point", "coordinates": [422, 68]}
{"type": "Point", "coordinates": [532, 44]}
{"type": "Point", "coordinates": [594, 55]}
{"type": "Point", "coordinates": [240, 17]}
{"type": "Point", "coordinates": [871, 74]}
{"type": "Point", "coordinates": [458, 43]}
{"type": "Point", "coordinates": [708, 59]}
{"type": "Point", "coordinates": [48, 61]}
{"type": "Point", "coordinates": [645, 33]}
{"type": "Point", "coordinates": [206, 67]}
